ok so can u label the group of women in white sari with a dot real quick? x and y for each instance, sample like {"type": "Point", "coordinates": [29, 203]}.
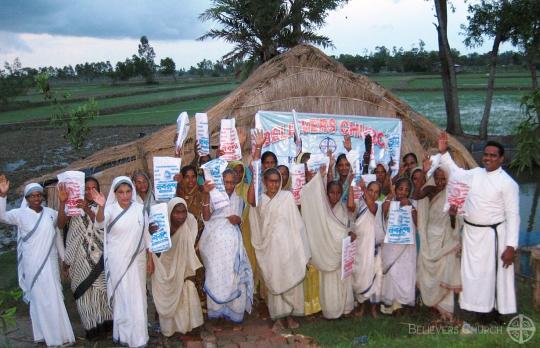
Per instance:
{"type": "Point", "coordinates": [261, 243]}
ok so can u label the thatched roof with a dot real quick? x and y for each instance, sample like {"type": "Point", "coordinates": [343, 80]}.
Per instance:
{"type": "Point", "coordinates": [304, 79]}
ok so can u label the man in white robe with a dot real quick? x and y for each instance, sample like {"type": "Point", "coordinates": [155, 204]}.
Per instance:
{"type": "Point", "coordinates": [38, 247]}
{"type": "Point", "coordinates": [490, 233]}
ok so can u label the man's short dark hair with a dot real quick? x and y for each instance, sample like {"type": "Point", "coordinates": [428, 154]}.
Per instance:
{"type": "Point", "coordinates": [497, 145]}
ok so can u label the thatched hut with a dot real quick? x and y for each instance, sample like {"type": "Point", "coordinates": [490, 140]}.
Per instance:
{"type": "Point", "coordinates": [304, 79]}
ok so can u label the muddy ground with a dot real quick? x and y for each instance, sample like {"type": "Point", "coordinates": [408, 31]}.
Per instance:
{"type": "Point", "coordinates": [31, 152]}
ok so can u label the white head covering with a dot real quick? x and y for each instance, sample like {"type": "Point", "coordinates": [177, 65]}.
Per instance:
{"type": "Point", "coordinates": [111, 199]}
{"type": "Point", "coordinates": [28, 189]}
{"type": "Point", "coordinates": [173, 203]}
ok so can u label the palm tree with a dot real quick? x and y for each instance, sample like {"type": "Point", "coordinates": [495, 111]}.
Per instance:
{"type": "Point", "coordinates": [262, 29]}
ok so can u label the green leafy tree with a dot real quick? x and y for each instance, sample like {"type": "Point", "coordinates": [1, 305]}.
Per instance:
{"type": "Point", "coordinates": [168, 67]}
{"type": "Point", "coordinates": [147, 56]}
{"type": "Point", "coordinates": [13, 81]}
{"type": "Point", "coordinates": [526, 35]}
{"type": "Point", "coordinates": [528, 135]}
{"type": "Point", "coordinates": [75, 120]}
{"type": "Point", "coordinates": [262, 29]}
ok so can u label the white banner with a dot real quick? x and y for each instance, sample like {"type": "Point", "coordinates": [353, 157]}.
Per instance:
{"type": "Point", "coordinates": [348, 255]}
{"type": "Point", "coordinates": [182, 129]}
{"type": "Point", "coordinates": [161, 239]}
{"type": "Point", "coordinates": [165, 168]}
{"type": "Point", "coordinates": [213, 171]}
{"type": "Point", "coordinates": [201, 122]}
{"type": "Point", "coordinates": [298, 180]}
{"type": "Point", "coordinates": [322, 132]}
{"type": "Point", "coordinates": [399, 226]}
{"type": "Point", "coordinates": [228, 140]}
{"type": "Point", "coordinates": [74, 183]}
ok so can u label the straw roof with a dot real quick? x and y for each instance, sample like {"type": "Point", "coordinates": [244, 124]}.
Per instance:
{"type": "Point", "coordinates": [303, 79]}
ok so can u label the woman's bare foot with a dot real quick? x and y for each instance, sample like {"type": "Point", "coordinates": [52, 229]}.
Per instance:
{"type": "Point", "coordinates": [292, 324]}
{"type": "Point", "coordinates": [278, 326]}
{"type": "Point", "coordinates": [237, 327]}
{"type": "Point", "coordinates": [374, 314]}
{"type": "Point", "coordinates": [360, 313]}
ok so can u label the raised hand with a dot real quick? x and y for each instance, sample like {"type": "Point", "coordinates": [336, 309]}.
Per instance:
{"type": "Point", "coordinates": [260, 138]}
{"type": "Point", "coordinates": [332, 162]}
{"type": "Point", "coordinates": [208, 186]}
{"type": "Point", "coordinates": [426, 163]}
{"type": "Point", "coordinates": [322, 170]}
{"type": "Point", "coordinates": [63, 193]}
{"type": "Point", "coordinates": [81, 203]}
{"type": "Point", "coordinates": [153, 228]}
{"type": "Point", "coordinates": [404, 202]}
{"type": "Point", "coordinates": [347, 144]}
{"type": "Point", "coordinates": [178, 177]}
{"type": "Point", "coordinates": [362, 184]}
{"type": "Point", "coordinates": [4, 185]}
{"type": "Point", "coordinates": [443, 142]}
{"type": "Point", "coordinates": [98, 197]}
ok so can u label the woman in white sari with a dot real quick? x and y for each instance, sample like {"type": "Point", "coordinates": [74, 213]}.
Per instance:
{"type": "Point", "coordinates": [279, 237]}
{"type": "Point", "coordinates": [228, 277]}
{"type": "Point", "coordinates": [439, 264]}
{"type": "Point", "coordinates": [38, 247]}
{"type": "Point", "coordinates": [399, 259]}
{"type": "Point", "coordinates": [175, 296]}
{"type": "Point", "coordinates": [327, 224]}
{"type": "Point", "coordinates": [367, 269]}
{"type": "Point", "coordinates": [125, 243]}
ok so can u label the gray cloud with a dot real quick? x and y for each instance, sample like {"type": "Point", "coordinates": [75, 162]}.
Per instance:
{"type": "Point", "coordinates": [157, 19]}
{"type": "Point", "coordinates": [11, 42]}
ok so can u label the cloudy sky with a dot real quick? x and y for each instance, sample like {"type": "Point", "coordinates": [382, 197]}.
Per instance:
{"type": "Point", "coordinates": [61, 32]}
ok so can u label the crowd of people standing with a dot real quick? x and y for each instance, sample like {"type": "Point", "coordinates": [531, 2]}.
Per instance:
{"type": "Point", "coordinates": [267, 248]}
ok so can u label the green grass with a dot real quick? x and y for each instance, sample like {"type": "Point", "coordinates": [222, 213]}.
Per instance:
{"type": "Point", "coordinates": [8, 275]}
{"type": "Point", "coordinates": [45, 111]}
{"type": "Point", "coordinates": [82, 90]}
{"type": "Point", "coordinates": [465, 80]}
{"type": "Point", "coordinates": [164, 114]}
{"type": "Point", "coordinates": [387, 331]}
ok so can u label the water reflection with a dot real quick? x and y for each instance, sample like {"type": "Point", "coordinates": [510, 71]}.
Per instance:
{"type": "Point", "coordinates": [529, 234]}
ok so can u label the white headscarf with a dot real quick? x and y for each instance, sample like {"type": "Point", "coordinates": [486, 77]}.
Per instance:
{"type": "Point", "coordinates": [111, 199]}
{"type": "Point", "coordinates": [28, 189]}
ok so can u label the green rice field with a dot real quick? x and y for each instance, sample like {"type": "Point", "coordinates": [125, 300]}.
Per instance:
{"type": "Point", "coordinates": [139, 104]}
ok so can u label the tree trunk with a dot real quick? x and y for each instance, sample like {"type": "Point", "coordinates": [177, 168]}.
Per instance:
{"type": "Point", "coordinates": [534, 77]}
{"type": "Point", "coordinates": [448, 74]}
{"type": "Point", "coordinates": [490, 87]}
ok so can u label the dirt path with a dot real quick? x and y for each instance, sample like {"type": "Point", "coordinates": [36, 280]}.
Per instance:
{"type": "Point", "coordinates": [256, 332]}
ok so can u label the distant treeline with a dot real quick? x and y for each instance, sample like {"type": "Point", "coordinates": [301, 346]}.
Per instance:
{"type": "Point", "coordinates": [418, 60]}
{"type": "Point", "coordinates": [123, 71]}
